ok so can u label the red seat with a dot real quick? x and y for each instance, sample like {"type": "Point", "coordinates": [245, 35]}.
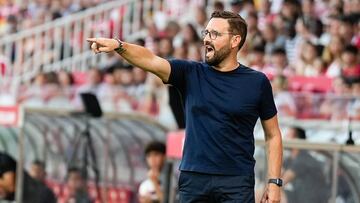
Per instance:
{"type": "Point", "coordinates": [113, 194]}
{"type": "Point", "coordinates": [56, 187]}
{"type": "Point", "coordinates": [79, 78]}
{"type": "Point", "coordinates": [119, 195]}
{"type": "Point", "coordinates": [310, 84]}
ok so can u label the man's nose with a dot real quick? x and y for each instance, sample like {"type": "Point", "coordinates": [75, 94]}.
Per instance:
{"type": "Point", "coordinates": [206, 38]}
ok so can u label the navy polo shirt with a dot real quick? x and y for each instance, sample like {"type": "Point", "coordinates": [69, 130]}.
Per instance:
{"type": "Point", "coordinates": [221, 110]}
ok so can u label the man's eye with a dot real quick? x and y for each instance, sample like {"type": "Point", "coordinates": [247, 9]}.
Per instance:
{"type": "Point", "coordinates": [214, 33]}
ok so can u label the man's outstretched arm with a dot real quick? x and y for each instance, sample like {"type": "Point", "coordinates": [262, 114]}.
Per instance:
{"type": "Point", "coordinates": [136, 55]}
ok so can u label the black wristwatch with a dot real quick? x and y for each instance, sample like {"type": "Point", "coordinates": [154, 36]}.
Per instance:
{"type": "Point", "coordinates": [120, 48]}
{"type": "Point", "coordinates": [276, 181]}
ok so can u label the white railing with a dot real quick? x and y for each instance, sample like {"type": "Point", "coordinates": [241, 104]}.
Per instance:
{"type": "Point", "coordinates": [60, 44]}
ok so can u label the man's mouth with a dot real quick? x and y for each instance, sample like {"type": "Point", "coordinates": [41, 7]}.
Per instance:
{"type": "Point", "coordinates": [209, 50]}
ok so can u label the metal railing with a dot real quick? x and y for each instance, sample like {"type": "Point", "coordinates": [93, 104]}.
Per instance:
{"type": "Point", "coordinates": [60, 44]}
{"type": "Point", "coordinates": [332, 158]}
{"type": "Point", "coordinates": [57, 137]}
{"type": "Point", "coordinates": [49, 135]}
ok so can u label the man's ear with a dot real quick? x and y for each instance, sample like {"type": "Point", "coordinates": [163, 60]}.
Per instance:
{"type": "Point", "coordinates": [236, 39]}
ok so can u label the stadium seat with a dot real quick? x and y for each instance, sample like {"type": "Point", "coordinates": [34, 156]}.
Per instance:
{"type": "Point", "coordinates": [310, 84]}
{"type": "Point", "coordinates": [79, 78]}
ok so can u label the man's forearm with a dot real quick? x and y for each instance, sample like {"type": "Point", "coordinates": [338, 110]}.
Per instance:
{"type": "Point", "coordinates": [143, 58]}
{"type": "Point", "coordinates": [274, 152]}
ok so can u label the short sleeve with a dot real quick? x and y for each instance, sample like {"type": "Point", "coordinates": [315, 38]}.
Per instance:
{"type": "Point", "coordinates": [267, 104]}
{"type": "Point", "coordinates": [178, 73]}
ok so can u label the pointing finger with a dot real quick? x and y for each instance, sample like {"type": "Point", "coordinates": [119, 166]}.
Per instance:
{"type": "Point", "coordinates": [91, 39]}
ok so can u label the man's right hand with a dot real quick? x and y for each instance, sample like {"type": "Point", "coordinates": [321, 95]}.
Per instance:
{"type": "Point", "coordinates": [99, 45]}
{"type": "Point", "coordinates": [136, 55]}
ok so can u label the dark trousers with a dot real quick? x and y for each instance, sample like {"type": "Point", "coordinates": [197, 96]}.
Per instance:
{"type": "Point", "coordinates": [208, 188]}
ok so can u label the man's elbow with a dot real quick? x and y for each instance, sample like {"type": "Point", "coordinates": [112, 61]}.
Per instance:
{"type": "Point", "coordinates": [273, 136]}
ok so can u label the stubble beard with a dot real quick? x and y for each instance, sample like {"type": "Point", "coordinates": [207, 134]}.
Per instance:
{"type": "Point", "coordinates": [218, 56]}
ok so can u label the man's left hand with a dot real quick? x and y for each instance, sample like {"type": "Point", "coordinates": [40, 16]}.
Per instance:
{"type": "Point", "coordinates": [271, 194]}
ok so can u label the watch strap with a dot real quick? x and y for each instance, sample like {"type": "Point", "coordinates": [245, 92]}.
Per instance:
{"type": "Point", "coordinates": [276, 181]}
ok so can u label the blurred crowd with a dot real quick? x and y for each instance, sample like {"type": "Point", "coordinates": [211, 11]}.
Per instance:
{"type": "Point", "coordinates": [17, 15]}
{"type": "Point", "coordinates": [287, 39]}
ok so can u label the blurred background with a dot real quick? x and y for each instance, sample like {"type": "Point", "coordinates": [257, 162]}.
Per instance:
{"type": "Point", "coordinates": [309, 49]}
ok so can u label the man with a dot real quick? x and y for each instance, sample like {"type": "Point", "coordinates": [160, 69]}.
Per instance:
{"type": "Point", "coordinates": [33, 190]}
{"type": "Point", "coordinates": [297, 168]}
{"type": "Point", "coordinates": [223, 100]}
{"type": "Point", "coordinates": [76, 187]}
{"type": "Point", "coordinates": [37, 171]}
{"type": "Point", "coordinates": [150, 190]}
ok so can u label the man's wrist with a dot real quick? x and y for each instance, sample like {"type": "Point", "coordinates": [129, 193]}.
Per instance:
{"type": "Point", "coordinates": [120, 48]}
{"type": "Point", "coordinates": [276, 181]}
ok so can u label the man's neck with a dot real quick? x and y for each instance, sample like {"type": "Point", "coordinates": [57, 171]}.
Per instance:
{"type": "Point", "coordinates": [227, 64]}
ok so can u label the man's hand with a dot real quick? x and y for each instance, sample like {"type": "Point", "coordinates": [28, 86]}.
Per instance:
{"type": "Point", "coordinates": [103, 44]}
{"type": "Point", "coordinates": [271, 194]}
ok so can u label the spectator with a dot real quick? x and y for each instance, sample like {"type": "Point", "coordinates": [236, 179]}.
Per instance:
{"type": "Point", "coordinates": [66, 83]}
{"type": "Point", "coordinates": [236, 6]}
{"type": "Point", "coordinates": [38, 170]}
{"type": "Point", "coordinates": [190, 34]}
{"type": "Point", "coordinates": [257, 58]}
{"type": "Point", "coordinates": [194, 53]}
{"type": "Point", "coordinates": [166, 49]}
{"type": "Point", "coordinates": [332, 56]}
{"type": "Point", "coordinates": [150, 190]}
{"type": "Point", "coordinates": [139, 76]}
{"type": "Point", "coordinates": [310, 63]}
{"type": "Point", "coordinates": [265, 17]}
{"type": "Point", "coordinates": [76, 187]}
{"type": "Point", "coordinates": [350, 65]}
{"type": "Point", "coordinates": [290, 10]}
{"type": "Point", "coordinates": [347, 31]}
{"type": "Point", "coordinates": [284, 101]}
{"type": "Point", "coordinates": [108, 91]}
{"type": "Point", "coordinates": [173, 32]}
{"type": "Point", "coordinates": [124, 79]}
{"type": "Point", "coordinates": [272, 40]}
{"type": "Point", "coordinates": [181, 52]}
{"type": "Point", "coordinates": [201, 19]}
{"type": "Point", "coordinates": [278, 65]}
{"type": "Point", "coordinates": [297, 167]}
{"type": "Point", "coordinates": [340, 87]}
{"type": "Point", "coordinates": [93, 80]}
{"type": "Point", "coordinates": [33, 190]}
{"type": "Point", "coordinates": [254, 37]}
{"type": "Point", "coordinates": [219, 6]}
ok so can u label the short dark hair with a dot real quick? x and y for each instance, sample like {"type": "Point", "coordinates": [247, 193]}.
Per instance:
{"type": "Point", "coordinates": [237, 24]}
{"type": "Point", "coordinates": [155, 146]}
{"type": "Point", "coordinates": [7, 163]}
{"type": "Point", "coordinates": [278, 51]}
{"type": "Point", "coordinates": [39, 163]}
{"type": "Point", "coordinates": [74, 170]}
{"type": "Point", "coordinates": [259, 49]}
{"type": "Point", "coordinates": [351, 49]}
{"type": "Point", "coordinates": [300, 133]}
